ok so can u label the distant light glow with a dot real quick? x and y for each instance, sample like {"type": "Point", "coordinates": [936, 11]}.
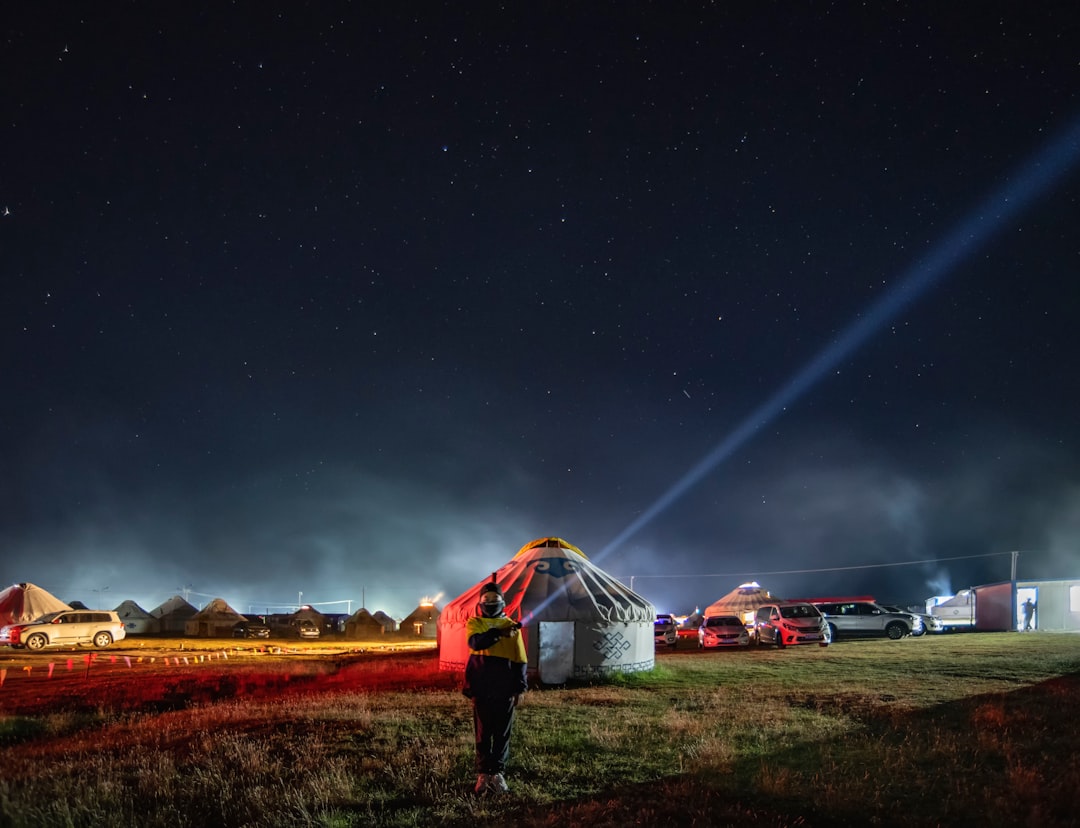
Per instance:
{"type": "Point", "coordinates": [1033, 180]}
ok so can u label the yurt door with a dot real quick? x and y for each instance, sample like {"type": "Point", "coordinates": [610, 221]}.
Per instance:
{"type": "Point", "coordinates": [556, 651]}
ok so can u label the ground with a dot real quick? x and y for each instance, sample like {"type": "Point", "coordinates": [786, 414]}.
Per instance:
{"type": "Point", "coordinates": [151, 673]}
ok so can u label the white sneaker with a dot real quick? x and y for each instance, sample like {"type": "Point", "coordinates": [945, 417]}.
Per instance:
{"type": "Point", "coordinates": [482, 783]}
{"type": "Point", "coordinates": [497, 783]}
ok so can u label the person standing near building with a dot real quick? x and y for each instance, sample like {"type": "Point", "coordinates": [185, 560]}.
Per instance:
{"type": "Point", "coordinates": [1029, 614]}
{"type": "Point", "coordinates": [495, 678]}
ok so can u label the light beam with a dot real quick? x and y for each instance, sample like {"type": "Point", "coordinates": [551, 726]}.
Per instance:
{"type": "Point", "coordinates": [1031, 182]}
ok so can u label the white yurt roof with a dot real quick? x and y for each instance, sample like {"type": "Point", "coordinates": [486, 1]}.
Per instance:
{"type": "Point", "coordinates": [744, 598]}
{"type": "Point", "coordinates": [131, 609]}
{"type": "Point", "coordinates": [20, 603]}
{"type": "Point", "coordinates": [217, 610]}
{"type": "Point", "coordinates": [175, 605]}
{"type": "Point", "coordinates": [550, 579]}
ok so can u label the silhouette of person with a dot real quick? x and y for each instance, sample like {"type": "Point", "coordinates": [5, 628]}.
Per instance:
{"type": "Point", "coordinates": [1029, 613]}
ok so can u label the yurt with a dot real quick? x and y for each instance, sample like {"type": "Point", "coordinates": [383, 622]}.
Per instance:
{"type": "Point", "coordinates": [742, 601]}
{"type": "Point", "coordinates": [422, 622]}
{"type": "Point", "coordinates": [215, 620]}
{"type": "Point", "coordinates": [362, 625]}
{"type": "Point", "coordinates": [173, 615]}
{"type": "Point", "coordinates": [20, 603]}
{"type": "Point", "coordinates": [137, 621]}
{"type": "Point", "coordinates": [388, 624]}
{"type": "Point", "coordinates": [579, 622]}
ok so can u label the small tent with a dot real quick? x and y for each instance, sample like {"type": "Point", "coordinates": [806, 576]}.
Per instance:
{"type": "Point", "coordinates": [422, 622]}
{"type": "Point", "coordinates": [388, 624]}
{"type": "Point", "coordinates": [578, 621]}
{"type": "Point", "coordinates": [742, 601]}
{"type": "Point", "coordinates": [137, 621]}
{"type": "Point", "coordinates": [362, 625]}
{"type": "Point", "coordinates": [20, 603]}
{"type": "Point", "coordinates": [173, 615]}
{"type": "Point", "coordinates": [215, 620]}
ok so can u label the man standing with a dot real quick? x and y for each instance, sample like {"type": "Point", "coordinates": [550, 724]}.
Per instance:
{"type": "Point", "coordinates": [495, 678]}
{"type": "Point", "coordinates": [1029, 614]}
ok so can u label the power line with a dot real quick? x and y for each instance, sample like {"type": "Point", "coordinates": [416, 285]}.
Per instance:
{"type": "Point", "coordinates": [821, 569]}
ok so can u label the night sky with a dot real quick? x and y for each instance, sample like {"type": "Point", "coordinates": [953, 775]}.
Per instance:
{"type": "Point", "coordinates": [330, 302]}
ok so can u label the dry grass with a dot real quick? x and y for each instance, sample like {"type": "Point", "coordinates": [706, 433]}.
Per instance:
{"type": "Point", "coordinates": [962, 730]}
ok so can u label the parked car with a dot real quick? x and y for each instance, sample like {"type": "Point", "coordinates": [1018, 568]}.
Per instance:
{"type": "Point", "coordinates": [98, 628]}
{"type": "Point", "coordinates": [250, 629]}
{"type": "Point", "coordinates": [931, 623]}
{"type": "Point", "coordinates": [722, 631]}
{"type": "Point", "coordinates": [666, 629]}
{"type": "Point", "coordinates": [863, 619]}
{"type": "Point", "coordinates": [306, 629]}
{"type": "Point", "coordinates": [784, 623]}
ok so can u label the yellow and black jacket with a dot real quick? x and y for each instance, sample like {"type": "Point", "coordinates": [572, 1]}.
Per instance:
{"type": "Point", "coordinates": [497, 662]}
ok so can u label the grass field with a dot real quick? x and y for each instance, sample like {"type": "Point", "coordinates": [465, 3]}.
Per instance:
{"type": "Point", "coordinates": [957, 730]}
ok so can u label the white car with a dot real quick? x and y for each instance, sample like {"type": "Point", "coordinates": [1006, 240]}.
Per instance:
{"type": "Point", "coordinates": [722, 631]}
{"type": "Point", "coordinates": [666, 630]}
{"type": "Point", "coordinates": [931, 623]}
{"type": "Point", "coordinates": [98, 628]}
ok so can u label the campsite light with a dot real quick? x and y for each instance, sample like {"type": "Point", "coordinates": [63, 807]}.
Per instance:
{"type": "Point", "coordinates": [430, 602]}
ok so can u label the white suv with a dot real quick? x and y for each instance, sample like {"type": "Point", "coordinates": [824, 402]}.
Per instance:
{"type": "Point", "coordinates": [69, 627]}
{"type": "Point", "coordinates": [860, 618]}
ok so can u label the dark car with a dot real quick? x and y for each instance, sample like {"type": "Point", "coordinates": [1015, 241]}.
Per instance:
{"type": "Point", "coordinates": [250, 629]}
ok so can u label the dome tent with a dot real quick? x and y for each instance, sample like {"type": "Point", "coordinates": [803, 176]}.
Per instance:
{"type": "Point", "coordinates": [388, 624]}
{"type": "Point", "coordinates": [422, 622]}
{"type": "Point", "coordinates": [362, 624]}
{"type": "Point", "coordinates": [215, 620]}
{"type": "Point", "coordinates": [21, 603]}
{"type": "Point", "coordinates": [137, 621]}
{"type": "Point", "coordinates": [578, 620]}
{"type": "Point", "coordinates": [173, 615]}
{"type": "Point", "coordinates": [742, 601]}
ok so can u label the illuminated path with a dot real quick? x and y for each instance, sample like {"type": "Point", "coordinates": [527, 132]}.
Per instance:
{"type": "Point", "coordinates": [1034, 180]}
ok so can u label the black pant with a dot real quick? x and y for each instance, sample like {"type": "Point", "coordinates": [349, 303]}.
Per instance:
{"type": "Point", "coordinates": [493, 719]}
